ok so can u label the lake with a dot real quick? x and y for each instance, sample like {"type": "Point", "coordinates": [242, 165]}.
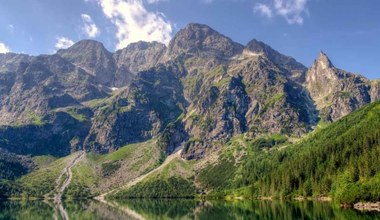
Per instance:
{"type": "Point", "coordinates": [180, 209]}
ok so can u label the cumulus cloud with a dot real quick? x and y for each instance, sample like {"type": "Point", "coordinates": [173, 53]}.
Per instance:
{"type": "Point", "coordinates": [263, 9]}
{"type": "Point", "coordinates": [134, 22]}
{"type": "Point", "coordinates": [4, 48]}
{"type": "Point", "coordinates": [292, 10]}
{"type": "Point", "coordinates": [63, 43]}
{"type": "Point", "coordinates": [89, 27]}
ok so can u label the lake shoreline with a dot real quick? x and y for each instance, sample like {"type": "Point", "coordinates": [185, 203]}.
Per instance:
{"type": "Point", "coordinates": [361, 206]}
{"type": "Point", "coordinates": [140, 209]}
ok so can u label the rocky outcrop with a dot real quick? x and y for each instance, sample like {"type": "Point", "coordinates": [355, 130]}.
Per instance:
{"type": "Point", "coordinates": [92, 57]}
{"type": "Point", "coordinates": [135, 58]}
{"type": "Point", "coordinates": [295, 70]}
{"type": "Point", "coordinates": [375, 90]}
{"type": "Point", "coordinates": [139, 112]}
{"type": "Point", "coordinates": [336, 92]}
{"type": "Point", "coordinates": [41, 85]}
{"type": "Point", "coordinates": [9, 62]}
{"type": "Point", "coordinates": [58, 134]}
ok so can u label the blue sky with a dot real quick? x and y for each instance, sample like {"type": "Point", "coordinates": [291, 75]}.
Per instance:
{"type": "Point", "coordinates": [348, 31]}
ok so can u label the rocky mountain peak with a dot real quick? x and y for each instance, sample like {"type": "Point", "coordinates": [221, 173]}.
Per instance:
{"type": "Point", "coordinates": [93, 57]}
{"type": "Point", "coordinates": [336, 92]}
{"type": "Point", "coordinates": [201, 39]}
{"type": "Point", "coordinates": [258, 46]}
{"type": "Point", "coordinates": [323, 61]}
{"type": "Point", "coordinates": [295, 69]}
{"type": "Point", "coordinates": [83, 46]}
{"type": "Point", "coordinates": [134, 58]}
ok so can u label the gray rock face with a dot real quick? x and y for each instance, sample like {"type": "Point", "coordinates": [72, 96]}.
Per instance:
{"type": "Point", "coordinates": [135, 58]}
{"type": "Point", "coordinates": [39, 86]}
{"type": "Point", "coordinates": [139, 112]}
{"type": "Point", "coordinates": [249, 95]}
{"type": "Point", "coordinates": [92, 57]}
{"type": "Point", "coordinates": [9, 62]}
{"type": "Point", "coordinates": [201, 40]}
{"type": "Point", "coordinates": [296, 70]}
{"type": "Point", "coordinates": [375, 90]}
{"type": "Point", "coordinates": [59, 135]}
{"type": "Point", "coordinates": [336, 92]}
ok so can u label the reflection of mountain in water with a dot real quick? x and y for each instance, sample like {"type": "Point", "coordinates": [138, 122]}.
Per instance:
{"type": "Point", "coordinates": [162, 209]}
{"type": "Point", "coordinates": [190, 209]}
{"type": "Point", "coordinates": [183, 209]}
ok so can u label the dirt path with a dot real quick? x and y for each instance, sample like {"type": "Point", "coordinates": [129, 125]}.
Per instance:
{"type": "Point", "coordinates": [169, 159]}
{"type": "Point", "coordinates": [60, 188]}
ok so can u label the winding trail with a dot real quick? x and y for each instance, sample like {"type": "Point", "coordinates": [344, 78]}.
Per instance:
{"type": "Point", "coordinates": [170, 158]}
{"type": "Point", "coordinates": [60, 188]}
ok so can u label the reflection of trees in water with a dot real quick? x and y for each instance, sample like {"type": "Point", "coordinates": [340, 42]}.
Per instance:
{"type": "Point", "coordinates": [41, 210]}
{"type": "Point", "coordinates": [182, 209]}
{"type": "Point", "coordinates": [279, 210]}
{"type": "Point", "coordinates": [36, 210]}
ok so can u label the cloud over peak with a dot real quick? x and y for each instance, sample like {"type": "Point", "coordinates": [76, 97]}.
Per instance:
{"type": "Point", "coordinates": [292, 10]}
{"type": "Point", "coordinates": [263, 9]}
{"type": "Point", "coordinates": [63, 43]}
{"type": "Point", "coordinates": [134, 22]}
{"type": "Point", "coordinates": [4, 48]}
{"type": "Point", "coordinates": [89, 27]}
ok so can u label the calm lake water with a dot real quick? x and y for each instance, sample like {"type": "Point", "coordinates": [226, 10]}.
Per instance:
{"type": "Point", "coordinates": [181, 209]}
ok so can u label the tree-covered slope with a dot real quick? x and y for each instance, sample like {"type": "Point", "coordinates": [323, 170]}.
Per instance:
{"type": "Point", "coordinates": [341, 161]}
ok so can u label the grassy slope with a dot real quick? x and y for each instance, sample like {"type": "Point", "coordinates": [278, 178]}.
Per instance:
{"type": "Point", "coordinates": [43, 180]}
{"type": "Point", "coordinates": [93, 175]}
{"type": "Point", "coordinates": [173, 180]}
{"type": "Point", "coordinates": [99, 173]}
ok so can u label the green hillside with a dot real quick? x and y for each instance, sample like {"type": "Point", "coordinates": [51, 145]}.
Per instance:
{"type": "Point", "coordinates": [340, 161]}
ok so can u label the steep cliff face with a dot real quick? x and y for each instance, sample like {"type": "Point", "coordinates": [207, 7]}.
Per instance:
{"type": "Point", "coordinates": [295, 70]}
{"type": "Point", "coordinates": [9, 62]}
{"type": "Point", "coordinates": [41, 85]}
{"type": "Point", "coordinates": [336, 92]}
{"type": "Point", "coordinates": [139, 112]}
{"type": "Point", "coordinates": [250, 95]}
{"type": "Point", "coordinates": [92, 57]}
{"type": "Point", "coordinates": [375, 90]}
{"type": "Point", "coordinates": [58, 135]}
{"type": "Point", "coordinates": [135, 58]}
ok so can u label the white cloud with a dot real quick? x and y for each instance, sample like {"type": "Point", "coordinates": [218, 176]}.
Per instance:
{"type": "Point", "coordinates": [89, 27]}
{"type": "Point", "coordinates": [263, 9]}
{"type": "Point", "coordinates": [63, 43]}
{"type": "Point", "coordinates": [291, 10]}
{"type": "Point", "coordinates": [155, 1]}
{"type": "Point", "coordinates": [134, 23]}
{"type": "Point", "coordinates": [4, 48]}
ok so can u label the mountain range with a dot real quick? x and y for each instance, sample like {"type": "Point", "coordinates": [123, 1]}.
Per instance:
{"type": "Point", "coordinates": [198, 93]}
